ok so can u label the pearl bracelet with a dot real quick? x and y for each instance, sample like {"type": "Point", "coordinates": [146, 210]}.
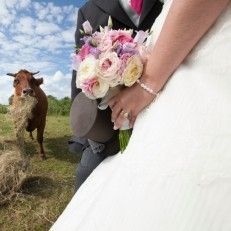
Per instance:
{"type": "Point", "coordinates": [147, 88]}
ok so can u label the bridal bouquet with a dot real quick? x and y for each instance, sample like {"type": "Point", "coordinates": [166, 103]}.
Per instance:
{"type": "Point", "coordinates": [108, 58]}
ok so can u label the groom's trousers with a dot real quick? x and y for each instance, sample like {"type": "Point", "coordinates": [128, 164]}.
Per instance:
{"type": "Point", "coordinates": [93, 153]}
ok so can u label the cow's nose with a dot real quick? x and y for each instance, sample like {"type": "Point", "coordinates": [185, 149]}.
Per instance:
{"type": "Point", "coordinates": [27, 91]}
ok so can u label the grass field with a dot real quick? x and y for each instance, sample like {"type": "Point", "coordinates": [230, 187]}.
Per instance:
{"type": "Point", "coordinates": [51, 185]}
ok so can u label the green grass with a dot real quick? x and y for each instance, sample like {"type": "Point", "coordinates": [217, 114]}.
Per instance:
{"type": "Point", "coordinates": [51, 185]}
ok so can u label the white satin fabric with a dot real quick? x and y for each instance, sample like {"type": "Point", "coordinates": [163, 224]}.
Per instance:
{"type": "Point", "coordinates": [175, 174]}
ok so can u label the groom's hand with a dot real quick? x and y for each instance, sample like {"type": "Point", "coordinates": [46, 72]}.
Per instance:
{"type": "Point", "coordinates": [128, 104]}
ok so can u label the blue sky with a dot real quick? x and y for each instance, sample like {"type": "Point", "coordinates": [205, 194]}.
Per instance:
{"type": "Point", "coordinates": [37, 36]}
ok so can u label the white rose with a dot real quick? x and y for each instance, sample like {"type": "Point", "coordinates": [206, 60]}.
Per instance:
{"type": "Point", "coordinates": [94, 88]}
{"type": "Point", "coordinates": [100, 89]}
{"type": "Point", "coordinates": [87, 69]}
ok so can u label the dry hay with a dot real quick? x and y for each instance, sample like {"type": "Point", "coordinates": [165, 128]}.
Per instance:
{"type": "Point", "coordinates": [13, 161]}
{"type": "Point", "coordinates": [13, 171]}
{"type": "Point", "coordinates": [20, 115]}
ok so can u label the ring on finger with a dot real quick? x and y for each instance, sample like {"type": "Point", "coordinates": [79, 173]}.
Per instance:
{"type": "Point", "coordinates": [125, 114]}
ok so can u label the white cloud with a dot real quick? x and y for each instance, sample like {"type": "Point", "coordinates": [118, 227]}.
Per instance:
{"type": "Point", "coordinates": [25, 25]}
{"type": "Point", "coordinates": [50, 12]}
{"type": "Point", "coordinates": [9, 47]}
{"type": "Point", "coordinates": [68, 35]}
{"type": "Point", "coordinates": [5, 17]}
{"type": "Point", "coordinates": [24, 3]}
{"type": "Point", "coordinates": [9, 8]}
{"type": "Point", "coordinates": [46, 28]}
{"type": "Point", "coordinates": [57, 85]}
{"type": "Point", "coordinates": [2, 38]}
{"type": "Point", "coordinates": [6, 88]}
{"type": "Point", "coordinates": [25, 40]}
{"type": "Point", "coordinates": [10, 3]}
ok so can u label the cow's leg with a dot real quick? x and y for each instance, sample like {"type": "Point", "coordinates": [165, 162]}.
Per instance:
{"type": "Point", "coordinates": [40, 132]}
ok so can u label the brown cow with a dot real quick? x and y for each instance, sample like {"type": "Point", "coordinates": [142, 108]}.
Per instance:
{"type": "Point", "coordinates": [26, 84]}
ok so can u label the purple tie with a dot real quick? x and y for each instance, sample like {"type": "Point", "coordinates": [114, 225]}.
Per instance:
{"type": "Point", "coordinates": [136, 5]}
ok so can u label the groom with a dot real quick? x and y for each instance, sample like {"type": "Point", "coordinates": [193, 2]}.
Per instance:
{"type": "Point", "coordinates": [130, 14]}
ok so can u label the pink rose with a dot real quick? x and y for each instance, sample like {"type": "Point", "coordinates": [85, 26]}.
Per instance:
{"type": "Point", "coordinates": [94, 88]}
{"type": "Point", "coordinates": [88, 84]}
{"type": "Point", "coordinates": [109, 66]}
{"type": "Point", "coordinates": [121, 36]}
{"type": "Point", "coordinates": [84, 51]}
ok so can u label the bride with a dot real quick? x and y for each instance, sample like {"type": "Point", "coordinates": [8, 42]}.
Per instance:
{"type": "Point", "coordinates": [175, 174]}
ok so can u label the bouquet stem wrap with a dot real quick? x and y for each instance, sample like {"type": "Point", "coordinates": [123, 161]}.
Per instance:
{"type": "Point", "coordinates": [124, 137]}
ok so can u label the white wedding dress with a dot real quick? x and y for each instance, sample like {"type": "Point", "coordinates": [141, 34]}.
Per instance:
{"type": "Point", "coordinates": [175, 174]}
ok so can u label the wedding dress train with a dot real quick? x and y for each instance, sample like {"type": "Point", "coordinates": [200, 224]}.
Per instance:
{"type": "Point", "coordinates": [175, 174]}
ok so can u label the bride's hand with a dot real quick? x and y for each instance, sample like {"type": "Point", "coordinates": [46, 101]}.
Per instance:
{"type": "Point", "coordinates": [128, 104]}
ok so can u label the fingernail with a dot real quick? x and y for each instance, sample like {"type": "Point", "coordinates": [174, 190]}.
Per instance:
{"type": "Point", "coordinates": [115, 128]}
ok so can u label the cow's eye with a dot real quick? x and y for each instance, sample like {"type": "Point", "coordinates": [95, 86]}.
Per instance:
{"type": "Point", "coordinates": [16, 81]}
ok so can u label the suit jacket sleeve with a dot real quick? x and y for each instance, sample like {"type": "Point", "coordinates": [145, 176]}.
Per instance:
{"type": "Point", "coordinates": [80, 20]}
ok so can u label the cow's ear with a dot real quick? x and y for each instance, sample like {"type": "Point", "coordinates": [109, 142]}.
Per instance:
{"type": "Point", "coordinates": [39, 81]}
